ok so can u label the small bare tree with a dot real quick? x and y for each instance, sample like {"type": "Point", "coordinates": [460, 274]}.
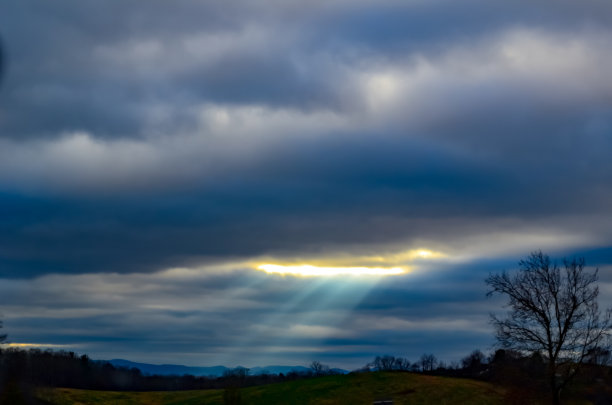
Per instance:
{"type": "Point", "coordinates": [319, 368]}
{"type": "Point", "coordinates": [384, 363]}
{"type": "Point", "coordinates": [2, 336]}
{"type": "Point", "coordinates": [554, 312]}
{"type": "Point", "coordinates": [428, 362]}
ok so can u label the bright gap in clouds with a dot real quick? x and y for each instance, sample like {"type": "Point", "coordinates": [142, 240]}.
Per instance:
{"type": "Point", "coordinates": [38, 345]}
{"type": "Point", "coordinates": [372, 266]}
{"type": "Point", "coordinates": [306, 270]}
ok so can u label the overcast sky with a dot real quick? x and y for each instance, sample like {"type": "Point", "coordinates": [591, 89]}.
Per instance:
{"type": "Point", "coordinates": [154, 154]}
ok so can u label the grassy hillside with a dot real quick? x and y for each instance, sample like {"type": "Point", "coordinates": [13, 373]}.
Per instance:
{"type": "Point", "coordinates": [403, 388]}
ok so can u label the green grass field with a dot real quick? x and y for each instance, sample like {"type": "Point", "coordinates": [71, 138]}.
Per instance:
{"type": "Point", "coordinates": [402, 388]}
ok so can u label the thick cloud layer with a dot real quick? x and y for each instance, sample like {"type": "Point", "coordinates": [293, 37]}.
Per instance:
{"type": "Point", "coordinates": [134, 139]}
{"type": "Point", "coordinates": [239, 317]}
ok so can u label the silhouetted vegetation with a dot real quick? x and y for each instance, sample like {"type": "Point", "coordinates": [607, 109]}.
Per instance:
{"type": "Point", "coordinates": [390, 363]}
{"type": "Point", "coordinates": [428, 362]}
{"type": "Point", "coordinates": [21, 370]}
{"type": "Point", "coordinates": [318, 368]}
{"type": "Point", "coordinates": [553, 313]}
{"type": "Point", "coordinates": [524, 377]}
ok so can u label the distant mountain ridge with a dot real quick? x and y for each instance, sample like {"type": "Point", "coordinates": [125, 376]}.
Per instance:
{"type": "Point", "coordinates": [215, 371]}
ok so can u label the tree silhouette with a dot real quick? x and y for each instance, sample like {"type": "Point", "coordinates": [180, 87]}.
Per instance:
{"type": "Point", "coordinates": [318, 368]}
{"type": "Point", "coordinates": [553, 312]}
{"type": "Point", "coordinates": [388, 363]}
{"type": "Point", "coordinates": [428, 362]}
{"type": "Point", "coordinates": [2, 336]}
{"type": "Point", "coordinates": [473, 363]}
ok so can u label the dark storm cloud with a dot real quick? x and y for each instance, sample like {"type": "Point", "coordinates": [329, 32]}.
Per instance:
{"type": "Point", "coordinates": [312, 196]}
{"type": "Point", "coordinates": [102, 67]}
{"type": "Point", "coordinates": [287, 202]}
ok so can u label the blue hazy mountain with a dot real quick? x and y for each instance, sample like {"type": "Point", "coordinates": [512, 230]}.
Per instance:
{"type": "Point", "coordinates": [277, 370]}
{"type": "Point", "coordinates": [169, 369]}
{"type": "Point", "coordinates": [216, 371]}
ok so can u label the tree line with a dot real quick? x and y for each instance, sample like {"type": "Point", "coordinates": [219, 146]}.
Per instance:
{"type": "Point", "coordinates": [21, 371]}
{"type": "Point", "coordinates": [523, 375]}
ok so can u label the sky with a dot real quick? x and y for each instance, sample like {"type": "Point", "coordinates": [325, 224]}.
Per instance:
{"type": "Point", "coordinates": [379, 158]}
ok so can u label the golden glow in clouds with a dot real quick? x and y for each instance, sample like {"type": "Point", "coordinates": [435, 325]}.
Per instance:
{"type": "Point", "coordinates": [306, 270]}
{"type": "Point", "coordinates": [387, 264]}
{"type": "Point", "coordinates": [36, 345]}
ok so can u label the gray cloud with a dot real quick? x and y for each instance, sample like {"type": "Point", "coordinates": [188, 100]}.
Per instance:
{"type": "Point", "coordinates": [222, 317]}
{"type": "Point", "coordinates": [216, 315]}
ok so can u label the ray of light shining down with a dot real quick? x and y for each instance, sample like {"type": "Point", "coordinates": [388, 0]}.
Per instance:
{"type": "Point", "coordinates": [307, 270]}
{"type": "Point", "coordinates": [282, 315]}
{"type": "Point", "coordinates": [337, 297]}
{"type": "Point", "coordinates": [326, 292]}
{"type": "Point", "coordinates": [323, 291]}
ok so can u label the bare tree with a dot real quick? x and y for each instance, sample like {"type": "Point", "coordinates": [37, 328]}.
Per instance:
{"type": "Point", "coordinates": [428, 362]}
{"type": "Point", "coordinates": [401, 363]}
{"type": "Point", "coordinates": [389, 363]}
{"type": "Point", "coordinates": [318, 368]}
{"type": "Point", "coordinates": [553, 312]}
{"type": "Point", "coordinates": [2, 336]}
{"type": "Point", "coordinates": [474, 360]}
{"type": "Point", "coordinates": [384, 363]}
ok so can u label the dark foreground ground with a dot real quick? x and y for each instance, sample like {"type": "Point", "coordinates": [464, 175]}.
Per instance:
{"type": "Point", "coordinates": [401, 387]}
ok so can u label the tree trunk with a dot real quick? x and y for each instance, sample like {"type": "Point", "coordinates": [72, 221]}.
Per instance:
{"type": "Point", "coordinates": [555, 390]}
{"type": "Point", "coordinates": [556, 399]}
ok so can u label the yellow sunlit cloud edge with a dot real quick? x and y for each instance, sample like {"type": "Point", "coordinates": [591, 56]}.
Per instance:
{"type": "Point", "coordinates": [36, 345]}
{"type": "Point", "coordinates": [307, 270]}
